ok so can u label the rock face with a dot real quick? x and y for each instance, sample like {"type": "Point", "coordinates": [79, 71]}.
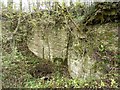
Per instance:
{"type": "Point", "coordinates": [48, 45]}
{"type": "Point", "coordinates": [82, 67]}
{"type": "Point", "coordinates": [53, 44]}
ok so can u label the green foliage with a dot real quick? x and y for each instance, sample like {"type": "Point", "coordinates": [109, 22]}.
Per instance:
{"type": "Point", "coordinates": [83, 39]}
{"type": "Point", "coordinates": [63, 82]}
{"type": "Point", "coordinates": [103, 12]}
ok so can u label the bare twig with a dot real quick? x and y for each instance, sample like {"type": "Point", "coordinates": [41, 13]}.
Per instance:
{"type": "Point", "coordinates": [77, 27]}
{"type": "Point", "coordinates": [18, 24]}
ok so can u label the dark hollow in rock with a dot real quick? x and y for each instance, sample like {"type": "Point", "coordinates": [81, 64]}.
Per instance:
{"type": "Point", "coordinates": [45, 68]}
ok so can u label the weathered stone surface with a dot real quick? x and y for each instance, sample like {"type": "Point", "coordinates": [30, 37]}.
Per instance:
{"type": "Point", "coordinates": [55, 44]}
{"type": "Point", "coordinates": [82, 67]}
{"type": "Point", "coordinates": [85, 66]}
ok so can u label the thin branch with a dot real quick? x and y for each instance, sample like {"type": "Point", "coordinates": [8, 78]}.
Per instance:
{"type": "Point", "coordinates": [18, 24]}
{"type": "Point", "coordinates": [77, 27]}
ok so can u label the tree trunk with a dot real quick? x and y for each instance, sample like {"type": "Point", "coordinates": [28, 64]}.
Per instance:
{"type": "Point", "coordinates": [10, 4]}
{"type": "Point", "coordinates": [38, 4]}
{"type": "Point", "coordinates": [20, 5]}
{"type": "Point", "coordinates": [29, 6]}
{"type": "Point", "coordinates": [69, 39]}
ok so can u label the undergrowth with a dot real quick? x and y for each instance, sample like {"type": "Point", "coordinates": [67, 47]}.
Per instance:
{"type": "Point", "coordinates": [17, 62]}
{"type": "Point", "coordinates": [16, 74]}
